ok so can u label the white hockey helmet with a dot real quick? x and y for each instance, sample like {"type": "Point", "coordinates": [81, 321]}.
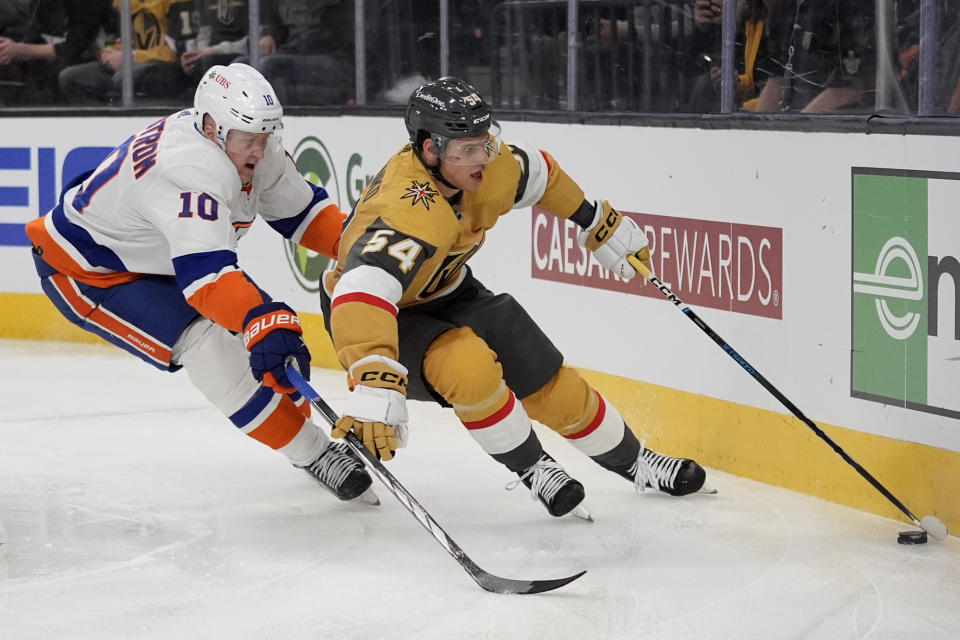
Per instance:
{"type": "Point", "coordinates": [237, 97]}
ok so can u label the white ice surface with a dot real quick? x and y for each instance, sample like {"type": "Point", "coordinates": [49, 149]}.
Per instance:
{"type": "Point", "coordinates": [134, 510]}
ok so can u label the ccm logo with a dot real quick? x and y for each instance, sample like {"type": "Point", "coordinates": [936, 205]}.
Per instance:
{"type": "Point", "coordinates": [383, 376]}
{"type": "Point", "coordinates": [604, 229]}
{"type": "Point", "coordinates": [266, 323]}
{"type": "Point", "coordinates": [665, 291]}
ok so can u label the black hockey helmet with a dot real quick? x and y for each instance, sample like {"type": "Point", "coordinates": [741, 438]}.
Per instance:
{"type": "Point", "coordinates": [448, 107]}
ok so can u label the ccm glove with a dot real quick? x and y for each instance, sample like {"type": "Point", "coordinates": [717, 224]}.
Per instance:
{"type": "Point", "coordinates": [272, 335]}
{"type": "Point", "coordinates": [376, 409]}
{"type": "Point", "coordinates": [612, 237]}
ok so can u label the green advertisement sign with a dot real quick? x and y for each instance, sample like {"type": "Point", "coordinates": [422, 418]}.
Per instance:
{"type": "Point", "coordinates": [316, 166]}
{"type": "Point", "coordinates": [902, 264]}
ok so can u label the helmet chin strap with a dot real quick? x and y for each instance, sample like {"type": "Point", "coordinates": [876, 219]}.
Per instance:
{"type": "Point", "coordinates": [435, 171]}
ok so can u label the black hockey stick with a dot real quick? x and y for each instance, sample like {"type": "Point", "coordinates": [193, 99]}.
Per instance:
{"type": "Point", "coordinates": [488, 581]}
{"type": "Point", "coordinates": [930, 524]}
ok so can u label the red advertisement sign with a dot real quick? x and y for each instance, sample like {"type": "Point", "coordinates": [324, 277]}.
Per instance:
{"type": "Point", "coordinates": [723, 265]}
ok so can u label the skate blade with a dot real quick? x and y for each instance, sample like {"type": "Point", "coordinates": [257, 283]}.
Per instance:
{"type": "Point", "coordinates": [368, 497]}
{"type": "Point", "coordinates": [581, 512]}
{"type": "Point", "coordinates": [707, 489]}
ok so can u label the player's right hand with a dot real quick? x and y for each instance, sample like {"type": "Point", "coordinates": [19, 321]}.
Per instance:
{"type": "Point", "coordinates": [612, 237]}
{"type": "Point", "coordinates": [376, 407]}
{"type": "Point", "coordinates": [272, 335]}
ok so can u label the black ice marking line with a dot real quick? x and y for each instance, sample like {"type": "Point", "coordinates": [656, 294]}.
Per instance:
{"type": "Point", "coordinates": [488, 581]}
{"type": "Point", "coordinates": [930, 524]}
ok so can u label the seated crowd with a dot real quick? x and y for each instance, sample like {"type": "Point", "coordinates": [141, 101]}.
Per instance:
{"type": "Point", "coordinates": [797, 56]}
{"type": "Point", "coordinates": [67, 52]}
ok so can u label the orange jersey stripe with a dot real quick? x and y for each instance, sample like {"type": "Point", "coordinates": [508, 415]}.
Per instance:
{"type": "Point", "coordinates": [227, 300]}
{"type": "Point", "coordinates": [304, 407]}
{"type": "Point", "coordinates": [98, 316]}
{"type": "Point", "coordinates": [323, 234]}
{"type": "Point", "coordinates": [281, 426]}
{"type": "Point", "coordinates": [56, 257]}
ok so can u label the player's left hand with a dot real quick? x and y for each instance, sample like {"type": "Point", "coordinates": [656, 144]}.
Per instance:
{"type": "Point", "coordinates": [376, 407]}
{"type": "Point", "coordinates": [612, 237]}
{"type": "Point", "coordinates": [272, 334]}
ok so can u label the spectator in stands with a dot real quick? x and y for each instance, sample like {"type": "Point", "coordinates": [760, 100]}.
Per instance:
{"type": "Point", "coordinates": [14, 15]}
{"type": "Point", "coordinates": [946, 71]}
{"type": "Point", "coordinates": [13, 23]}
{"type": "Point", "coordinates": [703, 53]}
{"type": "Point", "coordinates": [820, 56]}
{"type": "Point", "coordinates": [55, 34]}
{"type": "Point", "coordinates": [307, 48]}
{"type": "Point", "coordinates": [395, 79]}
{"type": "Point", "coordinates": [223, 36]}
{"type": "Point", "coordinates": [156, 72]}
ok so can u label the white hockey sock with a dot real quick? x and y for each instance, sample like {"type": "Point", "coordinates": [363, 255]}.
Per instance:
{"type": "Point", "coordinates": [306, 446]}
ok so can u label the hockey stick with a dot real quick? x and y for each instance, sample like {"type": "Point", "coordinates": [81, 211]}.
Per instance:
{"type": "Point", "coordinates": [930, 524]}
{"type": "Point", "coordinates": [488, 581]}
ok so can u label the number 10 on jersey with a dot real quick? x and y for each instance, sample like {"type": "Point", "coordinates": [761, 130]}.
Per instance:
{"type": "Point", "coordinates": [207, 206]}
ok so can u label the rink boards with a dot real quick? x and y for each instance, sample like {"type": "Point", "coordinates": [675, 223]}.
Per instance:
{"type": "Point", "coordinates": [828, 260]}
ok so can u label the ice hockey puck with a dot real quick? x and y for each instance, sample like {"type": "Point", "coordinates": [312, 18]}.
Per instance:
{"type": "Point", "coordinates": [912, 537]}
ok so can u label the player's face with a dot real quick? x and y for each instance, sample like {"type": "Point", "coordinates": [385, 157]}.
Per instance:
{"type": "Point", "coordinates": [463, 161]}
{"type": "Point", "coordinates": [245, 151]}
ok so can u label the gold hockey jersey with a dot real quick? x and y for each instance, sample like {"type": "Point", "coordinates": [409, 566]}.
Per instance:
{"type": "Point", "coordinates": [404, 244]}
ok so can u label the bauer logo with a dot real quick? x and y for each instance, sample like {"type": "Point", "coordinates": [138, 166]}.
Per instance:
{"type": "Point", "coordinates": [723, 265]}
{"type": "Point", "coordinates": [316, 166]}
{"type": "Point", "coordinates": [905, 347]}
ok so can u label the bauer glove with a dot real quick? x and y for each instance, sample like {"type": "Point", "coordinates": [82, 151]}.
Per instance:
{"type": "Point", "coordinates": [272, 334]}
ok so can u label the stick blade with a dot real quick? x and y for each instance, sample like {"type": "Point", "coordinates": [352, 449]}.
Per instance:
{"type": "Point", "coordinates": [496, 584]}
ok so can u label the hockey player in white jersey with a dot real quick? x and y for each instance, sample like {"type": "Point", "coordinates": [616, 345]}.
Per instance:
{"type": "Point", "coordinates": [142, 251]}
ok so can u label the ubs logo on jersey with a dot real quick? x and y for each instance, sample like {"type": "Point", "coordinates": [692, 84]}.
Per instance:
{"type": "Point", "coordinates": [420, 192]}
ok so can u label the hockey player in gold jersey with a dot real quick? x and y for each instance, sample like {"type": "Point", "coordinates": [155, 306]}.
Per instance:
{"type": "Point", "coordinates": [409, 320]}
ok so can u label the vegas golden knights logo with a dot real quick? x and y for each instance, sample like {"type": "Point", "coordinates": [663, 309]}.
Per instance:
{"type": "Point", "coordinates": [146, 29]}
{"type": "Point", "coordinates": [226, 10]}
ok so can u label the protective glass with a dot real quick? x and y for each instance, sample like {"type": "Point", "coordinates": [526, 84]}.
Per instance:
{"type": "Point", "coordinates": [475, 150]}
{"type": "Point", "coordinates": [245, 143]}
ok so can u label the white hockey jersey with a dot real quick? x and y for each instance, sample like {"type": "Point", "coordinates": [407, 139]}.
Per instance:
{"type": "Point", "coordinates": [169, 202]}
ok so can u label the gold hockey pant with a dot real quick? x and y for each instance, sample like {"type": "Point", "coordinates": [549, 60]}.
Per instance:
{"type": "Point", "coordinates": [463, 369]}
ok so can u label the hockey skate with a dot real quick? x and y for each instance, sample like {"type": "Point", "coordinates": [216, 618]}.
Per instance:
{"type": "Point", "coordinates": [675, 476]}
{"type": "Point", "coordinates": [341, 473]}
{"type": "Point", "coordinates": [556, 490]}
